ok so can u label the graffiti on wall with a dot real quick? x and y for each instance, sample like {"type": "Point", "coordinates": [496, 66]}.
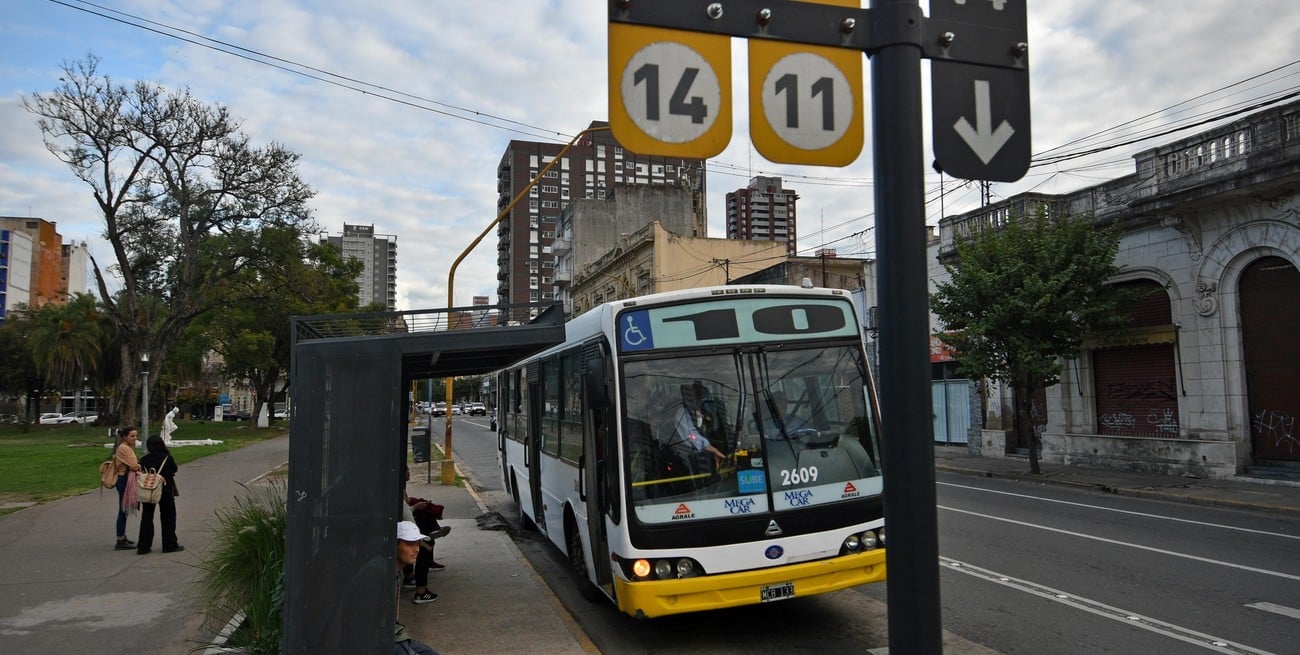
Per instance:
{"type": "Point", "coordinates": [1278, 426]}
{"type": "Point", "coordinates": [1117, 421]}
{"type": "Point", "coordinates": [1164, 421]}
{"type": "Point", "coordinates": [1157, 389]}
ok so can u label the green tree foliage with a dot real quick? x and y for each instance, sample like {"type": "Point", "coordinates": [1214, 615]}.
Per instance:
{"type": "Point", "coordinates": [183, 195]}
{"type": "Point", "coordinates": [67, 339]}
{"type": "Point", "coordinates": [293, 277]}
{"type": "Point", "coordinates": [1021, 299]}
{"type": "Point", "coordinates": [19, 376]}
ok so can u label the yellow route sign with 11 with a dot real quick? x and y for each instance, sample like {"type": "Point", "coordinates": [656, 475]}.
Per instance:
{"type": "Point", "coordinates": [805, 101]}
{"type": "Point", "coordinates": [669, 91]}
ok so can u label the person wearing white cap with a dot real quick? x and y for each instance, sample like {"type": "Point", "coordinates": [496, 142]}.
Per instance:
{"type": "Point", "coordinates": [409, 539]}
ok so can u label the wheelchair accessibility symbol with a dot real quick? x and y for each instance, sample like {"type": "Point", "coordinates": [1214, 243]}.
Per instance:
{"type": "Point", "coordinates": [635, 334]}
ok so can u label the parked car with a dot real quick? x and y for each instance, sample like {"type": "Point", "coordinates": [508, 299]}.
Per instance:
{"type": "Point", "coordinates": [8, 418]}
{"type": "Point", "coordinates": [82, 417]}
{"type": "Point", "coordinates": [477, 409]}
{"type": "Point", "coordinates": [54, 418]}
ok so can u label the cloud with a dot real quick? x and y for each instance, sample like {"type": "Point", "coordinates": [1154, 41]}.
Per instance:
{"type": "Point", "coordinates": [403, 144]}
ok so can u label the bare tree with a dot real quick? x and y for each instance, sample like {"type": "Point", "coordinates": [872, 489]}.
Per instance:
{"type": "Point", "coordinates": [183, 195]}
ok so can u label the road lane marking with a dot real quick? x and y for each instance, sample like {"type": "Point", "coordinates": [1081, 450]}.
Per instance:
{"type": "Point", "coordinates": [1161, 551]}
{"type": "Point", "coordinates": [1289, 612]}
{"type": "Point", "coordinates": [1173, 631]}
{"type": "Point", "coordinates": [1123, 511]}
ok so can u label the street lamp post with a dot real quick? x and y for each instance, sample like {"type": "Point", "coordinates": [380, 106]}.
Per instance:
{"type": "Point", "coordinates": [144, 398]}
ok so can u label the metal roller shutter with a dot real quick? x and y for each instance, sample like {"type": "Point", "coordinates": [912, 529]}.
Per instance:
{"type": "Point", "coordinates": [1136, 391]}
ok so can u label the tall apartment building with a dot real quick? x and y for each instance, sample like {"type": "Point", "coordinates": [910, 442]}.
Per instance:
{"type": "Point", "coordinates": [763, 211]}
{"type": "Point", "coordinates": [525, 259]}
{"type": "Point", "coordinates": [31, 263]}
{"type": "Point", "coordinates": [378, 253]}
{"type": "Point", "coordinates": [74, 267]}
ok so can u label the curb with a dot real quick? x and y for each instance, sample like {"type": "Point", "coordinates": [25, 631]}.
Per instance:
{"type": "Point", "coordinates": [1130, 492]}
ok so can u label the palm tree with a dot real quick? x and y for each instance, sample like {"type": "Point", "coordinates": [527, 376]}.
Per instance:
{"type": "Point", "coordinates": [66, 340]}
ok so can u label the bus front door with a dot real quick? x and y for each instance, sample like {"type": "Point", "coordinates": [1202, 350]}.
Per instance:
{"type": "Point", "coordinates": [533, 459]}
{"type": "Point", "coordinates": [597, 493]}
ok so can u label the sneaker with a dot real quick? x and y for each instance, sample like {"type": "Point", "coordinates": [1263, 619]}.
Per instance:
{"type": "Point", "coordinates": [408, 583]}
{"type": "Point", "coordinates": [426, 597]}
{"type": "Point", "coordinates": [123, 544]}
{"type": "Point", "coordinates": [441, 532]}
{"type": "Point", "coordinates": [436, 567]}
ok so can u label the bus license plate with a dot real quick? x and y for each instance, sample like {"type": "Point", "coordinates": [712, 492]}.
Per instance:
{"type": "Point", "coordinates": [776, 592]}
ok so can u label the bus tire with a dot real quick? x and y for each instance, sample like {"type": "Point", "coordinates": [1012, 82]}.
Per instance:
{"type": "Point", "coordinates": [578, 561]}
{"type": "Point", "coordinates": [524, 522]}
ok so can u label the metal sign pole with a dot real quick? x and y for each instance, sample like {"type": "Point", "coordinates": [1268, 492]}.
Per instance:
{"type": "Point", "coordinates": [904, 390]}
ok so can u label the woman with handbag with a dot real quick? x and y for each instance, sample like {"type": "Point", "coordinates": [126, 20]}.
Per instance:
{"type": "Point", "coordinates": [159, 459]}
{"type": "Point", "coordinates": [124, 462]}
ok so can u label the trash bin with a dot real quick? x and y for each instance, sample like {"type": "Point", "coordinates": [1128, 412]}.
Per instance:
{"type": "Point", "coordinates": [419, 444]}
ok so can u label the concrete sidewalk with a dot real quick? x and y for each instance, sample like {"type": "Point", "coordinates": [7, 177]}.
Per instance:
{"type": "Point", "coordinates": [490, 600]}
{"type": "Point", "coordinates": [64, 589]}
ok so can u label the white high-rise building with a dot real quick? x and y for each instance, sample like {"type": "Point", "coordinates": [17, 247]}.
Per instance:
{"type": "Point", "coordinates": [378, 254]}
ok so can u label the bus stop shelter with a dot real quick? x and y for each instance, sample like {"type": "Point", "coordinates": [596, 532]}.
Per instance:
{"type": "Point", "coordinates": [350, 377]}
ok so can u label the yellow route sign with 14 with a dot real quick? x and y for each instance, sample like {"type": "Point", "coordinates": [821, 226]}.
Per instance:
{"type": "Point", "coordinates": [669, 91]}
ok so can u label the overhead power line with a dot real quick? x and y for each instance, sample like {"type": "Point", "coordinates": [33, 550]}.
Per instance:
{"type": "Point", "coordinates": [485, 119]}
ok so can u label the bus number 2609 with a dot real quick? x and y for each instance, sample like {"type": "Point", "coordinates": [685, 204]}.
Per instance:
{"type": "Point", "coordinates": [801, 475]}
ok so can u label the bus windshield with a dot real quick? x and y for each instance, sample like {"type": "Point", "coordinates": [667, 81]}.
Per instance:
{"type": "Point", "coordinates": [748, 431]}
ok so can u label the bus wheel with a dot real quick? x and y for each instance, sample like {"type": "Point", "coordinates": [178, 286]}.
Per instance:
{"type": "Point", "coordinates": [578, 563]}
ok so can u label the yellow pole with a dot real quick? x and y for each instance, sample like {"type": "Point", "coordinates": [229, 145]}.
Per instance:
{"type": "Point", "coordinates": [448, 465]}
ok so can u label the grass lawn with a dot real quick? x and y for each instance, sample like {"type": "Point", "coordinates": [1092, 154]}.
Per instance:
{"type": "Point", "coordinates": [47, 462]}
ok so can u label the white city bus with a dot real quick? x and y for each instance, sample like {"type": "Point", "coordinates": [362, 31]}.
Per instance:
{"type": "Point", "coordinates": [702, 449]}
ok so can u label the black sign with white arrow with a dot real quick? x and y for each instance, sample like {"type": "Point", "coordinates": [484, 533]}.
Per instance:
{"type": "Point", "coordinates": [981, 121]}
{"type": "Point", "coordinates": [980, 112]}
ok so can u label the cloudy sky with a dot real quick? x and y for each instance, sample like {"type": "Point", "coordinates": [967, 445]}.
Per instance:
{"type": "Point", "coordinates": [402, 109]}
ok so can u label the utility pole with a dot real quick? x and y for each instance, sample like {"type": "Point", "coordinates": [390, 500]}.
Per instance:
{"type": "Point", "coordinates": [726, 268]}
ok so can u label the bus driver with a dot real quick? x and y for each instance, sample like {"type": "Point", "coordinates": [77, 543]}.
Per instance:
{"type": "Point", "coordinates": [679, 427]}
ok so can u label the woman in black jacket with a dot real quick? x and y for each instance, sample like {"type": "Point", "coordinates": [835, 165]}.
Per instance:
{"type": "Point", "coordinates": [161, 459]}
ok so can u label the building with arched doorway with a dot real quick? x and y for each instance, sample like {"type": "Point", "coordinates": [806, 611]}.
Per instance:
{"type": "Point", "coordinates": [1204, 380]}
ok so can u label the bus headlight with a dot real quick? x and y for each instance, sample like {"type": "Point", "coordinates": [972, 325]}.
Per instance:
{"type": "Point", "coordinates": [881, 534]}
{"type": "Point", "coordinates": [667, 568]}
{"type": "Point", "coordinates": [862, 542]}
{"type": "Point", "coordinates": [869, 541]}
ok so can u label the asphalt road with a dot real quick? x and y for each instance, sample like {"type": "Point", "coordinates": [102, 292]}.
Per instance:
{"type": "Point", "coordinates": [1026, 568]}
{"type": "Point", "coordinates": [1036, 569]}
